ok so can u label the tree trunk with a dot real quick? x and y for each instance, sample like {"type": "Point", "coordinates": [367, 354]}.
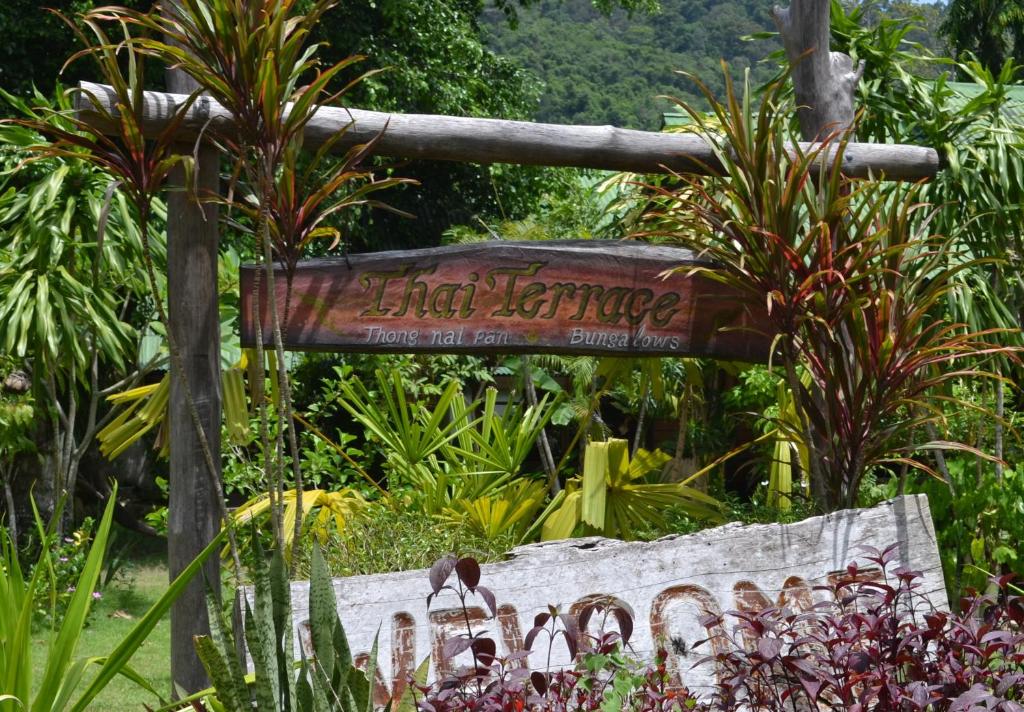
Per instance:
{"type": "Point", "coordinates": [824, 82]}
{"type": "Point", "coordinates": [7, 475]}
{"type": "Point", "coordinates": [193, 510]}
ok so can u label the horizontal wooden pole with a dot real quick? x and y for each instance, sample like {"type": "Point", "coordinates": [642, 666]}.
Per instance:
{"type": "Point", "coordinates": [469, 140]}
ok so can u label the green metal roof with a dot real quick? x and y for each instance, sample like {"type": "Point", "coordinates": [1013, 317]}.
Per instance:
{"type": "Point", "coordinates": [677, 119]}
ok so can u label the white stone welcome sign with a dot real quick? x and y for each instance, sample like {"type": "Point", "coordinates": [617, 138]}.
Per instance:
{"type": "Point", "coordinates": [667, 586]}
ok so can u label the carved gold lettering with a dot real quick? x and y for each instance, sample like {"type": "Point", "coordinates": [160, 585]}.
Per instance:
{"type": "Point", "coordinates": [663, 309]}
{"type": "Point", "coordinates": [415, 294]}
{"type": "Point", "coordinates": [534, 290]}
{"type": "Point", "coordinates": [512, 273]}
{"type": "Point", "coordinates": [366, 281]}
{"type": "Point", "coordinates": [586, 290]}
{"type": "Point", "coordinates": [558, 289]}
{"type": "Point", "coordinates": [633, 316]}
{"type": "Point", "coordinates": [442, 300]}
{"type": "Point", "coordinates": [609, 308]}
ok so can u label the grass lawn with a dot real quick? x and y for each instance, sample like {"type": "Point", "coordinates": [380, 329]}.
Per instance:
{"type": "Point", "coordinates": [123, 603]}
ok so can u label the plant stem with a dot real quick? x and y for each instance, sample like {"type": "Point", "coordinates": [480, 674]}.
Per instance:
{"type": "Point", "coordinates": [546, 457]}
{"type": "Point", "coordinates": [258, 373]}
{"type": "Point", "coordinates": [178, 371]}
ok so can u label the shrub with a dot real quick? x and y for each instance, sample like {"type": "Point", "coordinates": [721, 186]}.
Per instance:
{"type": "Point", "coordinates": [394, 539]}
{"type": "Point", "coordinates": [604, 679]}
{"type": "Point", "coordinates": [62, 561]}
{"type": "Point", "coordinates": [875, 643]}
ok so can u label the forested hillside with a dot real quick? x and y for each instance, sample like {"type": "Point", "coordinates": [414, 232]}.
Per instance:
{"type": "Point", "coordinates": [601, 70]}
{"type": "Point", "coordinates": [608, 70]}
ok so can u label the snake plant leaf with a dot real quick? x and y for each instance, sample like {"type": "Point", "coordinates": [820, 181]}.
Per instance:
{"type": "Point", "coordinates": [216, 666]}
{"type": "Point", "coordinates": [222, 638]}
{"type": "Point", "coordinates": [323, 616]}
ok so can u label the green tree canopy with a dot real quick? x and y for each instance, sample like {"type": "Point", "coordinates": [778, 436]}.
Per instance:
{"type": "Point", "coordinates": [992, 30]}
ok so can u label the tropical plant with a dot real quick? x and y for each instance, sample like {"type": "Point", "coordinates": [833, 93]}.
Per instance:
{"type": "Point", "coordinates": [60, 686]}
{"type": "Point", "coordinates": [447, 454]}
{"type": "Point", "coordinates": [142, 409]}
{"type": "Point", "coordinates": [853, 285]}
{"type": "Point", "coordinates": [334, 510]}
{"type": "Point", "coordinates": [509, 514]}
{"type": "Point", "coordinates": [612, 499]}
{"type": "Point", "coordinates": [977, 124]}
{"type": "Point", "coordinates": [255, 60]}
{"type": "Point", "coordinates": [324, 679]}
{"type": "Point", "coordinates": [992, 30]}
{"type": "Point", "coordinates": [70, 281]}
{"type": "Point", "coordinates": [17, 416]}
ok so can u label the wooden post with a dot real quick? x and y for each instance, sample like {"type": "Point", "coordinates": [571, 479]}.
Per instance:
{"type": "Point", "coordinates": [193, 512]}
{"type": "Point", "coordinates": [823, 81]}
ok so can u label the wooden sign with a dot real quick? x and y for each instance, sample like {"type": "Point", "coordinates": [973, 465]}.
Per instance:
{"type": "Point", "coordinates": [570, 297]}
{"type": "Point", "coordinates": [667, 586]}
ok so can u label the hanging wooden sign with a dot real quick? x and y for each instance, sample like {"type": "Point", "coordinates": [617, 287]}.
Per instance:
{"type": "Point", "coordinates": [569, 297]}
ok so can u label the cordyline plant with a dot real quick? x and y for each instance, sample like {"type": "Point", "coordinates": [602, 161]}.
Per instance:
{"type": "Point", "coordinates": [253, 58]}
{"type": "Point", "coordinates": [138, 164]}
{"type": "Point", "coordinates": [853, 283]}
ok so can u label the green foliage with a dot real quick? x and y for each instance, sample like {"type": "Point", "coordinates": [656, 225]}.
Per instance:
{"type": "Point", "coordinates": [435, 62]}
{"type": "Point", "coordinates": [400, 539]}
{"type": "Point", "coordinates": [54, 307]}
{"type": "Point", "coordinates": [326, 678]}
{"type": "Point", "coordinates": [992, 30]}
{"type": "Point", "coordinates": [612, 497]}
{"type": "Point", "coordinates": [979, 521]}
{"type": "Point", "coordinates": [63, 562]}
{"type": "Point", "coordinates": [979, 127]}
{"type": "Point", "coordinates": [444, 453]}
{"type": "Point", "coordinates": [64, 684]}
{"type": "Point", "coordinates": [614, 67]}
{"type": "Point", "coordinates": [39, 43]}
{"type": "Point", "coordinates": [17, 419]}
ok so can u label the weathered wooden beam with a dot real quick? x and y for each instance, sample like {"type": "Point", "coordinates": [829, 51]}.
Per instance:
{"type": "Point", "coordinates": [452, 138]}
